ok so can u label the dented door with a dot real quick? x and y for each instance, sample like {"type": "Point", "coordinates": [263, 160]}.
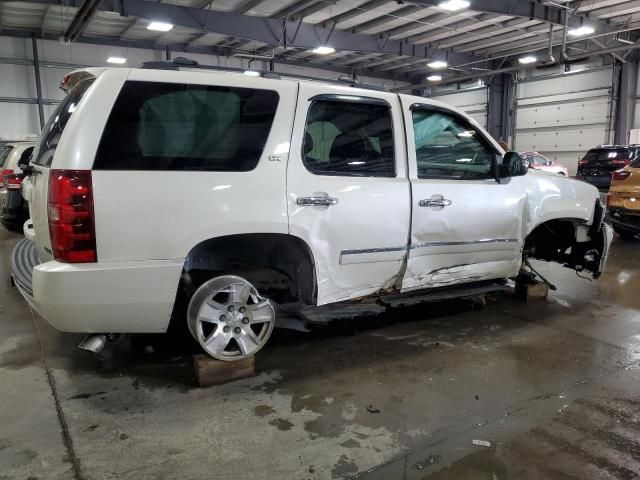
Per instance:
{"type": "Point", "coordinates": [465, 227]}
{"type": "Point", "coordinates": [347, 186]}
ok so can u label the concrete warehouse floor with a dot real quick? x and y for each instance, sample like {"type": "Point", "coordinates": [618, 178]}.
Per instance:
{"type": "Point", "coordinates": [554, 387]}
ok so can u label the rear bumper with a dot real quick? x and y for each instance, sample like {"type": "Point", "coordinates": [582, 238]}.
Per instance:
{"type": "Point", "coordinates": [119, 297]}
{"type": "Point", "coordinates": [625, 219]}
{"type": "Point", "coordinates": [601, 182]}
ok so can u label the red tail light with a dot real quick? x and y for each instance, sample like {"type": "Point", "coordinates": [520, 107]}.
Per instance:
{"type": "Point", "coordinates": [12, 182]}
{"type": "Point", "coordinates": [4, 173]}
{"type": "Point", "coordinates": [71, 218]}
{"type": "Point", "coordinates": [620, 161]}
{"type": "Point", "coordinates": [620, 175]}
{"type": "Point", "coordinates": [582, 163]}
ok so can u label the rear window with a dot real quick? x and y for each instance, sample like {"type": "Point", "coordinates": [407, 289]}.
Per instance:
{"type": "Point", "coordinates": [57, 122]}
{"type": "Point", "coordinates": [606, 155]}
{"type": "Point", "coordinates": [5, 150]}
{"type": "Point", "coordinates": [169, 126]}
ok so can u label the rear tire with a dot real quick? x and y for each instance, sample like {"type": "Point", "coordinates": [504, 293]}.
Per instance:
{"type": "Point", "coordinates": [229, 318]}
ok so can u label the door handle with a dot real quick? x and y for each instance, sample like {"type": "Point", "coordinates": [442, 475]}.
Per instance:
{"type": "Point", "coordinates": [436, 202]}
{"type": "Point", "coordinates": [317, 200]}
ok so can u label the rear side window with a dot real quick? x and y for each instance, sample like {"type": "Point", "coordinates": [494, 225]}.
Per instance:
{"type": "Point", "coordinates": [169, 126]}
{"type": "Point", "coordinates": [57, 122]}
{"type": "Point", "coordinates": [344, 138]}
{"type": "Point", "coordinates": [26, 155]}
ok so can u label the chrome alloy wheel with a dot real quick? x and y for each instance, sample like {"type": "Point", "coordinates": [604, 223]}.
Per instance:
{"type": "Point", "coordinates": [229, 318]}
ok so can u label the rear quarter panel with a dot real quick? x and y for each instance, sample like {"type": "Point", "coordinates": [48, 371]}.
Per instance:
{"type": "Point", "coordinates": [160, 215]}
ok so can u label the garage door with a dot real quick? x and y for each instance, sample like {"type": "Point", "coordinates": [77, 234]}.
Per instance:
{"type": "Point", "coordinates": [473, 101]}
{"type": "Point", "coordinates": [564, 116]}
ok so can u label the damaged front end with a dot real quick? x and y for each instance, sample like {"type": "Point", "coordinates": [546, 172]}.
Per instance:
{"type": "Point", "coordinates": [572, 242]}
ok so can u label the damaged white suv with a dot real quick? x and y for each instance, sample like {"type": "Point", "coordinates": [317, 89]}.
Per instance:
{"type": "Point", "coordinates": [217, 201]}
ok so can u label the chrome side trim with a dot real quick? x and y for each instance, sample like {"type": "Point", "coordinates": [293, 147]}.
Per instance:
{"type": "Point", "coordinates": [373, 250]}
{"type": "Point", "coordinates": [469, 242]}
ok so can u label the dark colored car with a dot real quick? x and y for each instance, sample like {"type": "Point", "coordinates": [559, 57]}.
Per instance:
{"type": "Point", "coordinates": [599, 163]}
{"type": "Point", "coordinates": [14, 210]}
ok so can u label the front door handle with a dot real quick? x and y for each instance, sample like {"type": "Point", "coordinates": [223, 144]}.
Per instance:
{"type": "Point", "coordinates": [320, 199]}
{"type": "Point", "coordinates": [436, 202]}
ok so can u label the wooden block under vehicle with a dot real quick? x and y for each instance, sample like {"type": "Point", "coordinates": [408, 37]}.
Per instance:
{"type": "Point", "coordinates": [209, 371]}
{"type": "Point", "coordinates": [539, 291]}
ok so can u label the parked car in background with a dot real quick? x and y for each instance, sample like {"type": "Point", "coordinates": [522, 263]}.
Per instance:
{"type": "Point", "coordinates": [599, 163]}
{"type": "Point", "coordinates": [623, 200]}
{"type": "Point", "coordinates": [14, 210]}
{"type": "Point", "coordinates": [540, 162]}
{"type": "Point", "coordinates": [213, 200]}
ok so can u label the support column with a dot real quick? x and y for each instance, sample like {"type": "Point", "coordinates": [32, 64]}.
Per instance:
{"type": "Point", "coordinates": [498, 118]}
{"type": "Point", "coordinates": [36, 67]}
{"type": "Point", "coordinates": [626, 102]}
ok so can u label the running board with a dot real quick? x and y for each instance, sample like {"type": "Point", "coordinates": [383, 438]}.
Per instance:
{"type": "Point", "coordinates": [444, 293]}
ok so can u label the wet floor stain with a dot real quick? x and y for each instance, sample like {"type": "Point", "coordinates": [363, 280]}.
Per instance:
{"type": "Point", "coordinates": [82, 396]}
{"type": "Point", "coordinates": [281, 424]}
{"type": "Point", "coordinates": [263, 410]}
{"type": "Point", "coordinates": [345, 468]}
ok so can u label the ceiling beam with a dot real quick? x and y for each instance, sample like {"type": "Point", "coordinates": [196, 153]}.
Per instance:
{"type": "Point", "coordinates": [184, 48]}
{"type": "Point", "coordinates": [531, 9]}
{"type": "Point", "coordinates": [273, 32]}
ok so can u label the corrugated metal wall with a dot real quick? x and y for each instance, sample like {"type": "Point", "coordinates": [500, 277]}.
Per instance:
{"type": "Point", "coordinates": [562, 116]}
{"type": "Point", "coordinates": [473, 101]}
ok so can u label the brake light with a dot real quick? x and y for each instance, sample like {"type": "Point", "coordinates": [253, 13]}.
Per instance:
{"type": "Point", "coordinates": [4, 173]}
{"type": "Point", "coordinates": [12, 182]}
{"type": "Point", "coordinates": [620, 175]}
{"type": "Point", "coordinates": [620, 161]}
{"type": "Point", "coordinates": [582, 163]}
{"type": "Point", "coordinates": [71, 218]}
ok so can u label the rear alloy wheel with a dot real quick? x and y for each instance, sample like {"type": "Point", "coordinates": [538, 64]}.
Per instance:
{"type": "Point", "coordinates": [229, 318]}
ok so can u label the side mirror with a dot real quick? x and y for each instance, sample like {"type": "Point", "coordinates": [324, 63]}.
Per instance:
{"type": "Point", "coordinates": [513, 165]}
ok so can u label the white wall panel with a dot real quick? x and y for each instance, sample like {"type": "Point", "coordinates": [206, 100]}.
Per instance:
{"type": "Point", "coordinates": [564, 115]}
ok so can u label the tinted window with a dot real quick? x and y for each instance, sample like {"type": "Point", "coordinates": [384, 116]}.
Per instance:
{"type": "Point", "coordinates": [349, 139]}
{"type": "Point", "coordinates": [5, 150]}
{"type": "Point", "coordinates": [57, 122]}
{"type": "Point", "coordinates": [26, 155]}
{"type": "Point", "coordinates": [606, 155]}
{"type": "Point", "coordinates": [447, 146]}
{"type": "Point", "coordinates": [168, 126]}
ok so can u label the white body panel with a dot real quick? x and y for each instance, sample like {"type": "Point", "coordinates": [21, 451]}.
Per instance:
{"type": "Point", "coordinates": [148, 221]}
{"type": "Point", "coordinates": [359, 244]}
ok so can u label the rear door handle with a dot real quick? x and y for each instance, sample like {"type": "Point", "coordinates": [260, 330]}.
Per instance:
{"type": "Point", "coordinates": [436, 202]}
{"type": "Point", "coordinates": [317, 200]}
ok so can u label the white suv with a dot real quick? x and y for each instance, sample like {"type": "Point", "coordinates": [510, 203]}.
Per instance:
{"type": "Point", "coordinates": [211, 199]}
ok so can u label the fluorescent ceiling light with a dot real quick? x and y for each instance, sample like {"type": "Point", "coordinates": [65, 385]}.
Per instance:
{"type": "Point", "coordinates": [437, 64]}
{"type": "Point", "coordinates": [454, 5]}
{"type": "Point", "coordinates": [252, 73]}
{"type": "Point", "coordinates": [117, 60]}
{"type": "Point", "coordinates": [324, 50]}
{"type": "Point", "coordinates": [581, 31]}
{"type": "Point", "coordinates": [434, 78]}
{"type": "Point", "coordinates": [160, 26]}
{"type": "Point", "coordinates": [527, 59]}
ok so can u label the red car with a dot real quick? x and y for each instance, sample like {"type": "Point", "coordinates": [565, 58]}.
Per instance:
{"type": "Point", "coordinates": [540, 162]}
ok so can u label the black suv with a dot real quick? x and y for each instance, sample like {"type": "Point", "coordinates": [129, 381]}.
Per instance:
{"type": "Point", "coordinates": [599, 163]}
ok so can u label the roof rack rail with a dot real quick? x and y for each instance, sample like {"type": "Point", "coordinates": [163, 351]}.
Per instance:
{"type": "Point", "coordinates": [182, 62]}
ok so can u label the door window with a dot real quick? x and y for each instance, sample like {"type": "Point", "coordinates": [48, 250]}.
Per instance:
{"type": "Point", "coordinates": [447, 146]}
{"type": "Point", "coordinates": [347, 138]}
